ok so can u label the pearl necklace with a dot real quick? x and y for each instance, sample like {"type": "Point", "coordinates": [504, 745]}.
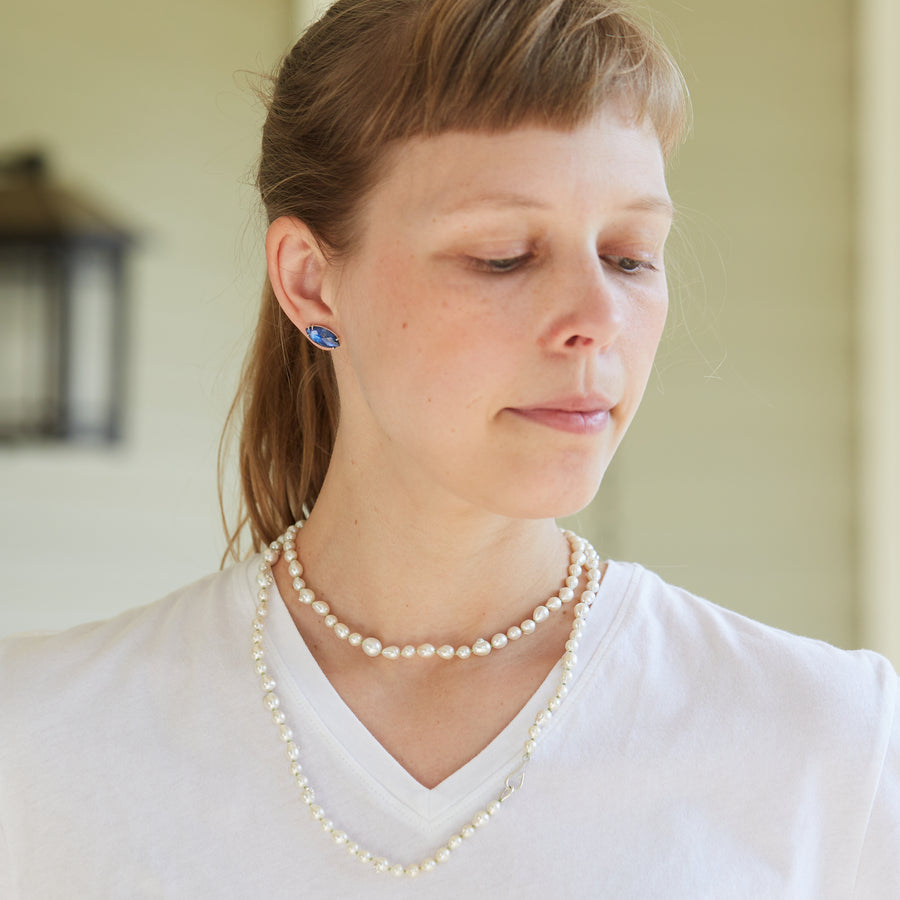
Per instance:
{"type": "Point", "coordinates": [514, 780]}
{"type": "Point", "coordinates": [373, 647]}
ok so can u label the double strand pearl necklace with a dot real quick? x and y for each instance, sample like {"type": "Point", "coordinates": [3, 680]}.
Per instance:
{"type": "Point", "coordinates": [514, 780]}
{"type": "Point", "coordinates": [373, 647]}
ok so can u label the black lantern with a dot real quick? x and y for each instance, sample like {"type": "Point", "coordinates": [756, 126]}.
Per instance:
{"type": "Point", "coordinates": [62, 310]}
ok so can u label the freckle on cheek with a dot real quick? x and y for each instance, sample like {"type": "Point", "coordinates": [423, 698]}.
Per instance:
{"type": "Point", "coordinates": [404, 325]}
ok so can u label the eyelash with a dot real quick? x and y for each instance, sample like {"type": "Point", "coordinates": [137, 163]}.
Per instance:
{"type": "Point", "coordinates": [511, 264]}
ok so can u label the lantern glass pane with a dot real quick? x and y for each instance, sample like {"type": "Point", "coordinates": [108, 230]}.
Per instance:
{"type": "Point", "coordinates": [92, 311]}
{"type": "Point", "coordinates": [29, 343]}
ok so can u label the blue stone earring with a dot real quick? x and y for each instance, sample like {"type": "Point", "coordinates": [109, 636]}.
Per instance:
{"type": "Point", "coordinates": [323, 337]}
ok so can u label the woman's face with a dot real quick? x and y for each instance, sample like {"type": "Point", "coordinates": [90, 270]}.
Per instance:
{"type": "Point", "coordinates": [500, 314]}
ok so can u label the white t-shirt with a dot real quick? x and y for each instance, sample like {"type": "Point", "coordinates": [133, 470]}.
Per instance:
{"type": "Point", "coordinates": [698, 754]}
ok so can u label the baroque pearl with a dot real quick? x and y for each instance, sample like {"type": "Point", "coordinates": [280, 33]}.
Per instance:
{"type": "Point", "coordinates": [578, 559]}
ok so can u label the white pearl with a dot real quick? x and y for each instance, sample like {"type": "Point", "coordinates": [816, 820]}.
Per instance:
{"type": "Point", "coordinates": [298, 584]}
{"type": "Point", "coordinates": [278, 716]}
{"type": "Point", "coordinates": [493, 807]}
{"type": "Point", "coordinates": [295, 569]}
{"type": "Point", "coordinates": [569, 659]}
{"type": "Point", "coordinates": [527, 627]}
{"type": "Point", "coordinates": [272, 701]}
{"type": "Point", "coordinates": [285, 733]}
{"type": "Point", "coordinates": [530, 746]}
{"type": "Point", "coordinates": [574, 570]}
{"type": "Point", "coordinates": [425, 650]}
{"type": "Point", "coordinates": [408, 652]}
{"type": "Point", "coordinates": [290, 554]}
{"type": "Point", "coordinates": [392, 652]}
{"type": "Point", "coordinates": [331, 620]}
{"type": "Point", "coordinates": [293, 751]}
{"type": "Point", "coordinates": [553, 704]}
{"type": "Point", "coordinates": [554, 603]}
{"type": "Point", "coordinates": [353, 848]}
{"type": "Point", "coordinates": [566, 594]}
{"type": "Point", "coordinates": [514, 633]}
{"type": "Point", "coordinates": [371, 646]}
{"type": "Point", "coordinates": [454, 841]}
{"type": "Point", "coordinates": [543, 717]}
{"type": "Point", "coordinates": [481, 819]}
{"type": "Point", "coordinates": [427, 864]}
{"type": "Point", "coordinates": [268, 684]}
{"type": "Point", "coordinates": [354, 639]}
{"type": "Point", "coordinates": [464, 652]}
{"type": "Point", "coordinates": [445, 651]}
{"type": "Point", "coordinates": [317, 812]}
{"type": "Point", "coordinates": [481, 647]}
{"type": "Point", "coordinates": [397, 870]}
{"type": "Point", "coordinates": [442, 855]}
{"type": "Point", "coordinates": [499, 641]}
{"type": "Point", "coordinates": [572, 581]}
{"type": "Point", "coordinates": [341, 630]}
{"type": "Point", "coordinates": [593, 586]}
{"type": "Point", "coordinates": [305, 595]}
{"type": "Point", "coordinates": [364, 856]}
{"type": "Point", "coordinates": [320, 607]}
{"type": "Point", "coordinates": [581, 608]}
{"type": "Point", "coordinates": [381, 864]}
{"type": "Point", "coordinates": [339, 837]}
{"type": "Point", "coordinates": [258, 653]}
{"type": "Point", "coordinates": [412, 871]}
{"type": "Point", "coordinates": [540, 614]}
{"type": "Point", "coordinates": [466, 831]}
{"type": "Point", "coordinates": [594, 574]}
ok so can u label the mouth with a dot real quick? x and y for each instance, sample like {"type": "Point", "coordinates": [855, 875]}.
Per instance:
{"type": "Point", "coordinates": [578, 415]}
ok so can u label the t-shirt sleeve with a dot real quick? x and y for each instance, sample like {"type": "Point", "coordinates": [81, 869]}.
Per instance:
{"type": "Point", "coordinates": [879, 866]}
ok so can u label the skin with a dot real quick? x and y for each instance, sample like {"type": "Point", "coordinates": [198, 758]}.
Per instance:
{"type": "Point", "coordinates": [496, 274]}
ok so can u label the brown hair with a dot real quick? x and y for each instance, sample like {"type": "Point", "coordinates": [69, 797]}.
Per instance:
{"type": "Point", "coordinates": [372, 72]}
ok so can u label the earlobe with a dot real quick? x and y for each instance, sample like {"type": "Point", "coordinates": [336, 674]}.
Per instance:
{"type": "Point", "coordinates": [297, 269]}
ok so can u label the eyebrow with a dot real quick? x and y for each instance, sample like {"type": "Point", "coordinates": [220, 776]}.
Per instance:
{"type": "Point", "coordinates": [658, 205]}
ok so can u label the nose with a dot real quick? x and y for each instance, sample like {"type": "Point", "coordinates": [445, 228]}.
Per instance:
{"type": "Point", "coordinates": [591, 312]}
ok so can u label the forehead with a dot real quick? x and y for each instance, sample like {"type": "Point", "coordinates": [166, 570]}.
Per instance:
{"type": "Point", "coordinates": [609, 160]}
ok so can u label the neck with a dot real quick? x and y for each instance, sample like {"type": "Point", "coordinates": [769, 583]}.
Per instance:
{"type": "Point", "coordinates": [416, 572]}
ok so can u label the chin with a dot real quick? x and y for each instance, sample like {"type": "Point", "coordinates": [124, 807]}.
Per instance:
{"type": "Point", "coordinates": [551, 498]}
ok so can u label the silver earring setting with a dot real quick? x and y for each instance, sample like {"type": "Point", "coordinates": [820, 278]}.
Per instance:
{"type": "Point", "coordinates": [324, 338]}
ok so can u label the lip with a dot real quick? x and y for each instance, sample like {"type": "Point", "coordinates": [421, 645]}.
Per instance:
{"type": "Point", "coordinates": [576, 415]}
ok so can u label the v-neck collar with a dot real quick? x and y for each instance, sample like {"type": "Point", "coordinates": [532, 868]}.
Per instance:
{"type": "Point", "coordinates": [303, 685]}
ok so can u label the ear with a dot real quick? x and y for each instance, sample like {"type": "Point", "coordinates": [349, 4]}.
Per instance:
{"type": "Point", "coordinates": [297, 269]}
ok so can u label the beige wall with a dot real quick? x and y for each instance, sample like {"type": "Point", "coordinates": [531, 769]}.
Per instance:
{"type": "Point", "coordinates": [145, 106]}
{"type": "Point", "coordinates": [740, 477]}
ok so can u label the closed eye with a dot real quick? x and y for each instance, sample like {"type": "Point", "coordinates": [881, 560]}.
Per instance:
{"type": "Point", "coordinates": [629, 265]}
{"type": "Point", "coordinates": [501, 266]}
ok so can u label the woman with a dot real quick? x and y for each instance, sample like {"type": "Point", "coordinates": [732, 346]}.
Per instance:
{"type": "Point", "coordinates": [466, 288]}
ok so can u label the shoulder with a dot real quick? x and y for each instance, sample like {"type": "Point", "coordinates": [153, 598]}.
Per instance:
{"type": "Point", "coordinates": [695, 648]}
{"type": "Point", "coordinates": [175, 629]}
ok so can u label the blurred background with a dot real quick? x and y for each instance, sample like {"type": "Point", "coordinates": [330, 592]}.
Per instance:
{"type": "Point", "coordinates": [764, 469]}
